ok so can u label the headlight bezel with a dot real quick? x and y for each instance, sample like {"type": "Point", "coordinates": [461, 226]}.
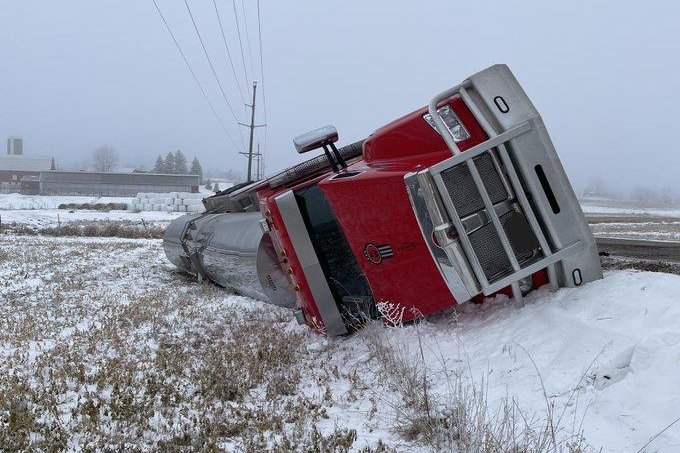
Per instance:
{"type": "Point", "coordinates": [453, 123]}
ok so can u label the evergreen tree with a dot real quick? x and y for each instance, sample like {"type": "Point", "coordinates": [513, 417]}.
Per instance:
{"type": "Point", "coordinates": [180, 163]}
{"type": "Point", "coordinates": [170, 163]}
{"type": "Point", "coordinates": [196, 169]}
{"type": "Point", "coordinates": [160, 165]}
{"type": "Point", "coordinates": [216, 188]}
{"type": "Point", "coordinates": [208, 184]}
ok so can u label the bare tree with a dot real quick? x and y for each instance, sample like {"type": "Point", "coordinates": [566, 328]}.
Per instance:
{"type": "Point", "coordinates": [104, 158]}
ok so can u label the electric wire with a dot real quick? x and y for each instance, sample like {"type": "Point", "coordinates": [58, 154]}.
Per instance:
{"type": "Point", "coordinates": [240, 41]}
{"type": "Point", "coordinates": [264, 91]}
{"type": "Point", "coordinates": [247, 37]}
{"type": "Point", "coordinates": [226, 46]}
{"type": "Point", "coordinates": [212, 68]}
{"type": "Point", "coordinates": [193, 74]}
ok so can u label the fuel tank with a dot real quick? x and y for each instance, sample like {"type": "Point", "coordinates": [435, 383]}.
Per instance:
{"type": "Point", "coordinates": [231, 250]}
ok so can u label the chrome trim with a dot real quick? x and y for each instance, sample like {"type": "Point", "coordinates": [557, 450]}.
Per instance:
{"type": "Point", "coordinates": [519, 140]}
{"type": "Point", "coordinates": [479, 219]}
{"type": "Point", "coordinates": [450, 260]}
{"type": "Point", "coordinates": [264, 226]}
{"type": "Point", "coordinates": [311, 267]}
{"type": "Point", "coordinates": [482, 148]}
{"type": "Point", "coordinates": [533, 268]}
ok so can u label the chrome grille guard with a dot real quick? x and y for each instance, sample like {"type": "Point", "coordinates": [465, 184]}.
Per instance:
{"type": "Point", "coordinates": [538, 225]}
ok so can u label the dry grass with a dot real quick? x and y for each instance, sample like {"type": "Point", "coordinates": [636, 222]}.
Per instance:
{"type": "Point", "coordinates": [461, 418]}
{"type": "Point", "coordinates": [102, 349]}
{"type": "Point", "coordinates": [100, 228]}
{"type": "Point", "coordinates": [104, 207]}
{"type": "Point", "coordinates": [619, 263]}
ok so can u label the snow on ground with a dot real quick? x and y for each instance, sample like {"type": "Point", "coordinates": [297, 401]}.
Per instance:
{"type": "Point", "coordinates": [14, 201]}
{"type": "Point", "coordinates": [612, 208]}
{"type": "Point", "coordinates": [610, 218]}
{"type": "Point", "coordinates": [41, 211]}
{"type": "Point", "coordinates": [43, 218]}
{"type": "Point", "coordinates": [608, 354]}
{"type": "Point", "coordinates": [104, 347]}
{"type": "Point", "coordinates": [634, 229]}
{"type": "Point", "coordinates": [102, 343]}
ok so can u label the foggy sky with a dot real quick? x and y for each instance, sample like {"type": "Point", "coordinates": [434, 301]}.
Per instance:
{"type": "Point", "coordinates": [77, 74]}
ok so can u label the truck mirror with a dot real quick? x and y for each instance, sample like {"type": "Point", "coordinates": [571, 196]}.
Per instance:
{"type": "Point", "coordinates": [315, 139]}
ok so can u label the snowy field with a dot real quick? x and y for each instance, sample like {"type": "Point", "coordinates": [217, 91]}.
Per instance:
{"type": "Point", "coordinates": [44, 218]}
{"type": "Point", "coordinates": [15, 201]}
{"type": "Point", "coordinates": [41, 211]}
{"type": "Point", "coordinates": [657, 229]}
{"type": "Point", "coordinates": [104, 346]}
{"type": "Point", "coordinates": [612, 219]}
{"type": "Point", "coordinates": [611, 207]}
{"type": "Point", "coordinates": [620, 221]}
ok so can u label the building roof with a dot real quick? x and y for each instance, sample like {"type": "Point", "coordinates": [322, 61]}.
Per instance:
{"type": "Point", "coordinates": [23, 163]}
{"type": "Point", "coordinates": [90, 177]}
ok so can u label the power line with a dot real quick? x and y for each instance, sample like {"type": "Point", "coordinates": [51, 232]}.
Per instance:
{"type": "Point", "coordinates": [245, 26]}
{"type": "Point", "coordinates": [193, 74]}
{"type": "Point", "coordinates": [264, 91]}
{"type": "Point", "coordinates": [231, 62]}
{"type": "Point", "coordinates": [240, 41]}
{"type": "Point", "coordinates": [212, 68]}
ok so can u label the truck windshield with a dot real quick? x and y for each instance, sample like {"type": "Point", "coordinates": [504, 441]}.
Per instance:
{"type": "Point", "coordinates": [346, 280]}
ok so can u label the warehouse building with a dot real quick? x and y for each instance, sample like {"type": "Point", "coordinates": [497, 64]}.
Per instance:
{"type": "Point", "coordinates": [114, 184]}
{"type": "Point", "coordinates": [13, 168]}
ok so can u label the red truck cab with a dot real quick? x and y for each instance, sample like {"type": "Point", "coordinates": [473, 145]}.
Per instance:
{"type": "Point", "coordinates": [456, 201]}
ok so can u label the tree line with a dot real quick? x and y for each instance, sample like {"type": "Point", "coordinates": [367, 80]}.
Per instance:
{"type": "Point", "coordinates": [176, 164]}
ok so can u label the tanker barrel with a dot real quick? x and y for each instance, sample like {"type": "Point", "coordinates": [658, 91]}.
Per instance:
{"type": "Point", "coordinates": [231, 250]}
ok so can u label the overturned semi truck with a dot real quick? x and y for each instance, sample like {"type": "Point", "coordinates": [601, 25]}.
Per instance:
{"type": "Point", "coordinates": [457, 201]}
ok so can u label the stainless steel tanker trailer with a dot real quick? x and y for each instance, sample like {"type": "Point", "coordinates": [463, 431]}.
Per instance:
{"type": "Point", "coordinates": [457, 201]}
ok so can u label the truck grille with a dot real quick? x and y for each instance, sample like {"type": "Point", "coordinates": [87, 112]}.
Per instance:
{"type": "Point", "coordinates": [462, 190]}
{"type": "Point", "coordinates": [489, 250]}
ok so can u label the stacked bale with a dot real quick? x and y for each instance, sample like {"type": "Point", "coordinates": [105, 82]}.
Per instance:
{"type": "Point", "coordinates": [168, 202]}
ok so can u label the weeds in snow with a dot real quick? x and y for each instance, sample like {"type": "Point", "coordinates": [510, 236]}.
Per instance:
{"type": "Point", "coordinates": [102, 350]}
{"type": "Point", "coordinates": [101, 228]}
{"type": "Point", "coordinates": [461, 417]}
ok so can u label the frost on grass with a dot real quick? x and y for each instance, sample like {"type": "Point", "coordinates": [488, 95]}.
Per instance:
{"type": "Point", "coordinates": [90, 228]}
{"type": "Point", "coordinates": [456, 415]}
{"type": "Point", "coordinates": [102, 348]}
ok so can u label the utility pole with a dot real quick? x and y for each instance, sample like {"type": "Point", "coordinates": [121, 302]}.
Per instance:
{"type": "Point", "coordinates": [252, 127]}
{"type": "Point", "coordinates": [259, 159]}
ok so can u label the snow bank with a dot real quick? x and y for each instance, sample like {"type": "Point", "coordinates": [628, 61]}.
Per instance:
{"type": "Point", "coordinates": [615, 341]}
{"type": "Point", "coordinates": [629, 210]}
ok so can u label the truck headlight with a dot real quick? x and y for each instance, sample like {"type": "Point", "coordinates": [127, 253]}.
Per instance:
{"type": "Point", "coordinates": [452, 123]}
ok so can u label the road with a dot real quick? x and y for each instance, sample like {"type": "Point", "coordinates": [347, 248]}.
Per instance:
{"type": "Point", "coordinates": [637, 237]}
{"type": "Point", "coordinates": [640, 249]}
